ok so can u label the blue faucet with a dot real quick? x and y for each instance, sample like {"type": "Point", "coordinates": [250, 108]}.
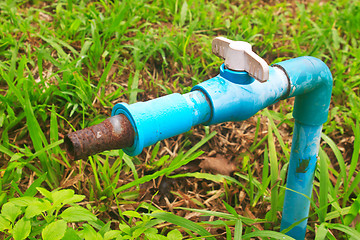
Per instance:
{"type": "Point", "coordinates": [245, 85]}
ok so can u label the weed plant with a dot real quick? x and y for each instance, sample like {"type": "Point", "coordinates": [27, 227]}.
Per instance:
{"type": "Point", "coordinates": [64, 64]}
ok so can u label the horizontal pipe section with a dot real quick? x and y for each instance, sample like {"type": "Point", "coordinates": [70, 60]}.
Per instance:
{"type": "Point", "coordinates": [163, 117]}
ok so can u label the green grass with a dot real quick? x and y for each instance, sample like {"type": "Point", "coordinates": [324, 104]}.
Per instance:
{"type": "Point", "coordinates": [64, 65]}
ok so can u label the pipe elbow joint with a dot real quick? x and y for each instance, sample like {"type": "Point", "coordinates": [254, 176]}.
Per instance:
{"type": "Point", "coordinates": [311, 85]}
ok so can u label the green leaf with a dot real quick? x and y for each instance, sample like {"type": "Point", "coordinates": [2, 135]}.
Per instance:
{"type": "Point", "coordinates": [23, 201]}
{"type": "Point", "coordinates": [238, 230]}
{"type": "Point", "coordinates": [338, 156]}
{"type": "Point", "coordinates": [353, 212]}
{"type": "Point", "coordinates": [128, 161]}
{"type": "Point", "coordinates": [66, 196]}
{"type": "Point", "coordinates": [268, 234]}
{"type": "Point", "coordinates": [56, 46]}
{"type": "Point", "coordinates": [125, 228]}
{"type": "Point", "coordinates": [182, 222]}
{"type": "Point", "coordinates": [324, 185]}
{"type": "Point", "coordinates": [111, 234]}
{"type": "Point", "coordinates": [176, 163]}
{"type": "Point", "coordinates": [71, 234]}
{"type": "Point", "coordinates": [10, 211]}
{"type": "Point", "coordinates": [31, 191]}
{"type": "Point", "coordinates": [62, 196]}
{"type": "Point", "coordinates": [54, 231]}
{"type": "Point", "coordinates": [245, 220]}
{"type": "Point", "coordinates": [77, 214]}
{"type": "Point", "coordinates": [151, 230]}
{"type": "Point", "coordinates": [134, 87]}
{"type": "Point", "coordinates": [321, 232]}
{"type": "Point", "coordinates": [103, 228]}
{"type": "Point", "coordinates": [76, 198]}
{"type": "Point", "coordinates": [274, 175]}
{"type": "Point", "coordinates": [37, 208]}
{"type": "Point", "coordinates": [132, 214]}
{"type": "Point", "coordinates": [174, 235]}
{"type": "Point", "coordinates": [89, 233]}
{"type": "Point", "coordinates": [153, 236]}
{"type": "Point", "coordinates": [183, 13]}
{"type": "Point", "coordinates": [36, 134]}
{"type": "Point", "coordinates": [208, 176]}
{"type": "Point", "coordinates": [345, 229]}
{"type": "Point", "coordinates": [45, 193]}
{"type": "Point", "coordinates": [4, 223]}
{"type": "Point", "coordinates": [138, 231]}
{"type": "Point", "coordinates": [231, 209]}
{"type": "Point", "coordinates": [21, 229]}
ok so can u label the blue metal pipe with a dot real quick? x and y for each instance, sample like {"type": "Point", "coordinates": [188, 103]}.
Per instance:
{"type": "Point", "coordinates": [312, 86]}
{"type": "Point", "coordinates": [235, 96]}
{"type": "Point", "coordinates": [163, 117]}
{"type": "Point", "coordinates": [230, 96]}
{"type": "Point", "coordinates": [303, 157]}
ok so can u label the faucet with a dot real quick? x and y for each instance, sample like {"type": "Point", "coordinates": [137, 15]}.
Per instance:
{"type": "Point", "coordinates": [244, 86]}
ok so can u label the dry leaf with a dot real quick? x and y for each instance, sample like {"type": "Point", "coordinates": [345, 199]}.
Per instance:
{"type": "Point", "coordinates": [218, 164]}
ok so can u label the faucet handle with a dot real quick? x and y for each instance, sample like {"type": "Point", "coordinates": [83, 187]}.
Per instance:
{"type": "Point", "coordinates": [239, 56]}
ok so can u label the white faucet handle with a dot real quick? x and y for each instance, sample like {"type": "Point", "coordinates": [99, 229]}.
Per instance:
{"type": "Point", "coordinates": [239, 56]}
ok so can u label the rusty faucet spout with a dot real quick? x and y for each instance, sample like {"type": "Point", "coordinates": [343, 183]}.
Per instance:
{"type": "Point", "coordinates": [114, 133]}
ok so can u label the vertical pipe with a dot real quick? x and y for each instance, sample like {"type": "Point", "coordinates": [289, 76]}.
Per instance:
{"type": "Point", "coordinates": [303, 158]}
{"type": "Point", "coordinates": [311, 84]}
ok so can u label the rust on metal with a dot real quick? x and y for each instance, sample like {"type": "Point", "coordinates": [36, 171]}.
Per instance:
{"type": "Point", "coordinates": [114, 133]}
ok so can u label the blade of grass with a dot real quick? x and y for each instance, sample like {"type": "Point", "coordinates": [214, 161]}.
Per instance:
{"type": "Point", "coordinates": [238, 229]}
{"type": "Point", "coordinates": [324, 186]}
{"type": "Point", "coordinates": [267, 234]}
{"type": "Point", "coordinates": [345, 229]}
{"type": "Point", "coordinates": [245, 220]}
{"type": "Point", "coordinates": [356, 151]}
{"type": "Point", "coordinates": [159, 173]}
{"type": "Point", "coordinates": [353, 211]}
{"type": "Point", "coordinates": [277, 134]}
{"type": "Point", "coordinates": [96, 175]}
{"type": "Point", "coordinates": [106, 72]}
{"type": "Point", "coordinates": [182, 222]}
{"type": "Point", "coordinates": [128, 161]}
{"type": "Point", "coordinates": [340, 160]}
{"type": "Point", "coordinates": [134, 87]}
{"type": "Point", "coordinates": [179, 161]}
{"type": "Point", "coordinates": [274, 174]}
{"type": "Point", "coordinates": [321, 232]}
{"type": "Point", "coordinates": [252, 148]}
